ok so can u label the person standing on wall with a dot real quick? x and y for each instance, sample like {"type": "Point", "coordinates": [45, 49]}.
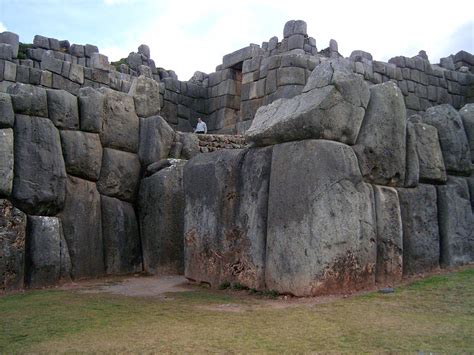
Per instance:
{"type": "Point", "coordinates": [201, 127]}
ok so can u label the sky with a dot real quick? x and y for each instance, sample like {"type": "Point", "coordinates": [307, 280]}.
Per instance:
{"type": "Point", "coordinates": [186, 36]}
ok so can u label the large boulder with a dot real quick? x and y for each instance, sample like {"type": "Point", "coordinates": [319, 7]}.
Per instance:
{"type": "Point", "coordinates": [82, 154]}
{"type": "Point", "coordinates": [119, 175]}
{"type": "Point", "coordinates": [146, 93]}
{"type": "Point", "coordinates": [82, 227]}
{"type": "Point", "coordinates": [39, 184]}
{"type": "Point", "coordinates": [12, 246]}
{"type": "Point", "coordinates": [381, 144]}
{"type": "Point", "coordinates": [412, 172]}
{"type": "Point", "coordinates": [47, 254]}
{"type": "Point", "coordinates": [63, 109]}
{"type": "Point", "coordinates": [321, 231]}
{"type": "Point", "coordinates": [161, 214]}
{"type": "Point", "coordinates": [225, 223]}
{"type": "Point", "coordinates": [389, 268]}
{"type": "Point", "coordinates": [156, 138]}
{"type": "Point", "coordinates": [189, 145]}
{"type": "Point", "coordinates": [120, 127]}
{"type": "Point", "coordinates": [430, 157]}
{"type": "Point", "coordinates": [121, 238]}
{"type": "Point", "coordinates": [452, 137]}
{"type": "Point", "coordinates": [456, 222]}
{"type": "Point", "coordinates": [7, 116]}
{"type": "Point", "coordinates": [420, 229]}
{"type": "Point", "coordinates": [332, 106]}
{"type": "Point", "coordinates": [92, 109]}
{"type": "Point", "coordinates": [6, 161]}
{"type": "Point", "coordinates": [29, 100]}
{"type": "Point", "coordinates": [467, 115]}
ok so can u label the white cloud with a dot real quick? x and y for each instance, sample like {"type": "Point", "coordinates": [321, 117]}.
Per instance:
{"type": "Point", "coordinates": [2, 27]}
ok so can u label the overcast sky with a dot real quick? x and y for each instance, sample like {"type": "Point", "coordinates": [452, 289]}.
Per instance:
{"type": "Point", "coordinates": [194, 35]}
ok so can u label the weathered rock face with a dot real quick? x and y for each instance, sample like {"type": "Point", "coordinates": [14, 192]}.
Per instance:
{"type": "Point", "coordinates": [120, 127]}
{"type": "Point", "coordinates": [82, 154]}
{"type": "Point", "coordinates": [452, 137]}
{"type": "Point", "coordinates": [467, 115]}
{"type": "Point", "coordinates": [82, 227]}
{"type": "Point", "coordinates": [146, 93]}
{"type": "Point", "coordinates": [190, 145]}
{"type": "Point", "coordinates": [119, 175]}
{"type": "Point", "coordinates": [412, 172]}
{"type": "Point", "coordinates": [63, 109]}
{"type": "Point", "coordinates": [29, 100]}
{"type": "Point", "coordinates": [39, 184]}
{"type": "Point", "coordinates": [389, 268]}
{"type": "Point", "coordinates": [156, 138]}
{"type": "Point", "coordinates": [121, 238]}
{"type": "Point", "coordinates": [12, 246]}
{"type": "Point", "coordinates": [456, 222]}
{"type": "Point", "coordinates": [332, 106]}
{"type": "Point", "coordinates": [225, 224]}
{"type": "Point", "coordinates": [420, 229]}
{"type": "Point", "coordinates": [7, 116]}
{"type": "Point", "coordinates": [6, 161]}
{"type": "Point", "coordinates": [92, 109]}
{"type": "Point", "coordinates": [47, 254]}
{"type": "Point", "coordinates": [323, 238]}
{"type": "Point", "coordinates": [429, 154]}
{"type": "Point", "coordinates": [161, 214]}
{"type": "Point", "coordinates": [381, 144]}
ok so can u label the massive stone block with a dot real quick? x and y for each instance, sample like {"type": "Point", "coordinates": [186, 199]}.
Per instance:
{"type": "Point", "coordinates": [39, 183]}
{"type": "Point", "coordinates": [456, 222]}
{"type": "Point", "coordinates": [12, 39]}
{"type": "Point", "coordinates": [467, 115]}
{"type": "Point", "coordinates": [161, 214]}
{"type": "Point", "coordinates": [7, 116]}
{"type": "Point", "coordinates": [119, 174]}
{"type": "Point", "coordinates": [420, 229]}
{"type": "Point", "coordinates": [146, 94]}
{"type": "Point", "coordinates": [321, 234]}
{"type": "Point", "coordinates": [381, 144]}
{"type": "Point", "coordinates": [429, 154]}
{"type": "Point", "coordinates": [225, 223]}
{"type": "Point", "coordinates": [120, 127]}
{"type": "Point", "coordinates": [47, 254]}
{"type": "Point", "coordinates": [452, 137]}
{"type": "Point", "coordinates": [82, 227]}
{"type": "Point", "coordinates": [92, 109]}
{"type": "Point", "coordinates": [389, 268]}
{"type": "Point", "coordinates": [63, 109]}
{"type": "Point", "coordinates": [121, 238]}
{"type": "Point", "coordinates": [156, 138]}
{"type": "Point", "coordinates": [6, 161]}
{"type": "Point", "coordinates": [12, 246]}
{"type": "Point", "coordinates": [82, 154]}
{"type": "Point", "coordinates": [332, 106]}
{"type": "Point", "coordinates": [29, 99]}
{"type": "Point", "coordinates": [412, 172]}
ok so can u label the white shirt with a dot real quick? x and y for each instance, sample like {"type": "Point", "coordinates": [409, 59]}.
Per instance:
{"type": "Point", "coordinates": [201, 127]}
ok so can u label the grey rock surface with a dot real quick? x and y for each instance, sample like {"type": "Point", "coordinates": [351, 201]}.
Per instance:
{"type": "Point", "coordinates": [47, 255]}
{"type": "Point", "coordinates": [119, 175]}
{"type": "Point", "coordinates": [92, 109]}
{"type": "Point", "coordinates": [161, 215]}
{"type": "Point", "coordinates": [452, 137]}
{"type": "Point", "coordinates": [332, 106]}
{"type": "Point", "coordinates": [82, 227]}
{"type": "Point", "coordinates": [63, 109]}
{"type": "Point", "coordinates": [12, 39]}
{"type": "Point", "coordinates": [412, 173]}
{"type": "Point", "coordinates": [82, 153]}
{"type": "Point", "coordinates": [29, 99]}
{"type": "Point", "coordinates": [6, 161]}
{"type": "Point", "coordinates": [146, 94]}
{"type": "Point", "coordinates": [39, 183]}
{"type": "Point", "coordinates": [120, 127]}
{"type": "Point", "coordinates": [7, 116]}
{"type": "Point", "coordinates": [190, 145]}
{"type": "Point", "coordinates": [156, 138]}
{"type": "Point", "coordinates": [381, 144]}
{"type": "Point", "coordinates": [456, 222]}
{"type": "Point", "coordinates": [12, 246]}
{"type": "Point", "coordinates": [331, 221]}
{"type": "Point", "coordinates": [121, 237]}
{"type": "Point", "coordinates": [389, 267]}
{"type": "Point", "coordinates": [420, 229]}
{"type": "Point", "coordinates": [467, 115]}
{"type": "Point", "coordinates": [225, 224]}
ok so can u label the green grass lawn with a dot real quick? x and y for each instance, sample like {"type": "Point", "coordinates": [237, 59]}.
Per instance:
{"type": "Point", "coordinates": [432, 315]}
